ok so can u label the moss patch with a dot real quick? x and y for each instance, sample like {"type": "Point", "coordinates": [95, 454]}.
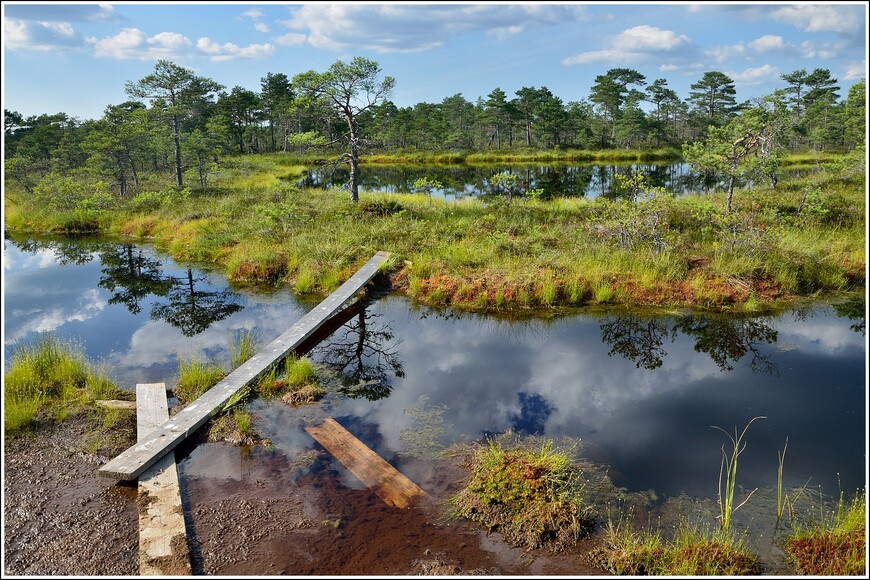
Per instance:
{"type": "Point", "coordinates": [533, 497]}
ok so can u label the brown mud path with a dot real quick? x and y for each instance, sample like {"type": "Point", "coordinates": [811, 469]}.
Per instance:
{"type": "Point", "coordinates": [62, 518]}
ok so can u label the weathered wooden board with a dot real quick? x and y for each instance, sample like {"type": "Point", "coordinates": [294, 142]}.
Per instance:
{"type": "Point", "coordinates": [373, 470]}
{"type": "Point", "coordinates": [163, 548]}
{"type": "Point", "coordinates": [116, 404]}
{"type": "Point", "coordinates": [132, 462]}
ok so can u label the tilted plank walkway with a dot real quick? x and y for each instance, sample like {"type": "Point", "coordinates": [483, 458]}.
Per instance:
{"type": "Point", "coordinates": [163, 549]}
{"type": "Point", "coordinates": [386, 481]}
{"type": "Point", "coordinates": [132, 462]}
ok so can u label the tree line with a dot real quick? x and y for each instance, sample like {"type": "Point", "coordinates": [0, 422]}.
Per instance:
{"type": "Point", "coordinates": [180, 123]}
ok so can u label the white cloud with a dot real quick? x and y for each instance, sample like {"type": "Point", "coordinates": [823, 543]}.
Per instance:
{"type": "Point", "coordinates": [600, 56]}
{"type": "Point", "coordinates": [643, 38]}
{"type": "Point", "coordinates": [639, 44]}
{"type": "Point", "coordinates": [229, 51]}
{"type": "Point", "coordinates": [253, 13]}
{"type": "Point", "coordinates": [856, 71]}
{"type": "Point", "coordinates": [755, 76]}
{"type": "Point", "coordinates": [821, 18]}
{"type": "Point", "coordinates": [88, 305]}
{"type": "Point", "coordinates": [768, 42]}
{"type": "Point", "coordinates": [412, 28]}
{"type": "Point", "coordinates": [40, 36]}
{"type": "Point", "coordinates": [260, 27]}
{"type": "Point", "coordinates": [132, 43]}
{"type": "Point", "coordinates": [290, 39]}
{"type": "Point", "coordinates": [819, 49]}
{"type": "Point", "coordinates": [726, 53]}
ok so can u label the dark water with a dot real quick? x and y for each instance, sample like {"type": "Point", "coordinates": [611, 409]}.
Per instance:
{"type": "Point", "coordinates": [641, 393]}
{"type": "Point", "coordinates": [555, 180]}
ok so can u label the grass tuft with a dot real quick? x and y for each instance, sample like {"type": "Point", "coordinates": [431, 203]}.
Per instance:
{"type": "Point", "coordinates": [53, 375]}
{"type": "Point", "coordinates": [533, 497]}
{"type": "Point", "coordinates": [835, 545]}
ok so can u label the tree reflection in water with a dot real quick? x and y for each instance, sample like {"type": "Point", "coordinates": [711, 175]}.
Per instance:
{"type": "Point", "coordinates": [75, 250]}
{"type": "Point", "coordinates": [854, 309]}
{"type": "Point", "coordinates": [364, 354]}
{"type": "Point", "coordinates": [636, 338]}
{"type": "Point", "coordinates": [131, 276]}
{"type": "Point", "coordinates": [193, 309]}
{"type": "Point", "coordinates": [725, 339]}
{"type": "Point", "coordinates": [190, 306]}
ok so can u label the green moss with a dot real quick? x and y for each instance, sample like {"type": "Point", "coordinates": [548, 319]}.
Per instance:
{"type": "Point", "coordinates": [533, 497]}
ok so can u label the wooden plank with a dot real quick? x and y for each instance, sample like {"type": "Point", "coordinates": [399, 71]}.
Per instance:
{"type": "Point", "coordinates": [116, 404]}
{"type": "Point", "coordinates": [163, 549]}
{"type": "Point", "coordinates": [386, 481]}
{"type": "Point", "coordinates": [132, 462]}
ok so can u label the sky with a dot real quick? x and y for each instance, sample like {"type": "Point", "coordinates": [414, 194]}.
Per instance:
{"type": "Point", "coordinates": [76, 57]}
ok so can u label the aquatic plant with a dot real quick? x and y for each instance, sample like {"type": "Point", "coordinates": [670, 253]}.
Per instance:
{"type": "Point", "coordinates": [296, 381]}
{"type": "Point", "coordinates": [692, 551]}
{"type": "Point", "coordinates": [244, 347]}
{"type": "Point", "coordinates": [728, 475]}
{"type": "Point", "coordinates": [533, 497]}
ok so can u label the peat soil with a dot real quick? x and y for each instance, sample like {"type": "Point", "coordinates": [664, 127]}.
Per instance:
{"type": "Point", "coordinates": [62, 518]}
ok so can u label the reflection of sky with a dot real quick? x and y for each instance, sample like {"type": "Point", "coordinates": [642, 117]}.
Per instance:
{"type": "Point", "coordinates": [652, 427]}
{"type": "Point", "coordinates": [42, 296]}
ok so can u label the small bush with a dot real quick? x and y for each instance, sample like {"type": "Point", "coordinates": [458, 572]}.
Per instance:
{"type": "Point", "coordinates": [381, 207]}
{"type": "Point", "coordinates": [534, 498]}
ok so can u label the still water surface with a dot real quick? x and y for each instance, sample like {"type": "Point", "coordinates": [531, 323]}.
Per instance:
{"type": "Point", "coordinates": [554, 179]}
{"type": "Point", "coordinates": [641, 393]}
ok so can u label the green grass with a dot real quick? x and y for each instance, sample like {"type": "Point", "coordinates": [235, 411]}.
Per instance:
{"type": "Point", "coordinates": [244, 347]}
{"type": "Point", "coordinates": [51, 375]}
{"type": "Point", "coordinates": [196, 376]}
{"type": "Point", "coordinates": [532, 496]}
{"type": "Point", "coordinates": [728, 475]}
{"type": "Point", "coordinates": [531, 254]}
{"type": "Point", "coordinates": [835, 544]}
{"type": "Point", "coordinates": [691, 551]}
{"type": "Point", "coordinates": [297, 383]}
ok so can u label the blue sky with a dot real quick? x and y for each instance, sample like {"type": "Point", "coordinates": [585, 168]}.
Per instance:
{"type": "Point", "coordinates": [76, 57]}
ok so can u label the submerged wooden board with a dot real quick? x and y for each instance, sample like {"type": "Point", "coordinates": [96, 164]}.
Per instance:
{"type": "Point", "coordinates": [132, 462]}
{"type": "Point", "coordinates": [163, 548]}
{"type": "Point", "coordinates": [385, 480]}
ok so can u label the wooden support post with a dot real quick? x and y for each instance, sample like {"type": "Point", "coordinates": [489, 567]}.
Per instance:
{"type": "Point", "coordinates": [163, 549]}
{"type": "Point", "coordinates": [132, 462]}
{"type": "Point", "coordinates": [370, 468]}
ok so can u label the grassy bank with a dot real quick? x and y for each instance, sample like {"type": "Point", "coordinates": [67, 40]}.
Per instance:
{"type": "Point", "coordinates": [806, 238]}
{"type": "Point", "coordinates": [50, 379]}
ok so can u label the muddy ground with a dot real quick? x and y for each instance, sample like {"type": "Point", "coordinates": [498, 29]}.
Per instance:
{"type": "Point", "coordinates": [62, 518]}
